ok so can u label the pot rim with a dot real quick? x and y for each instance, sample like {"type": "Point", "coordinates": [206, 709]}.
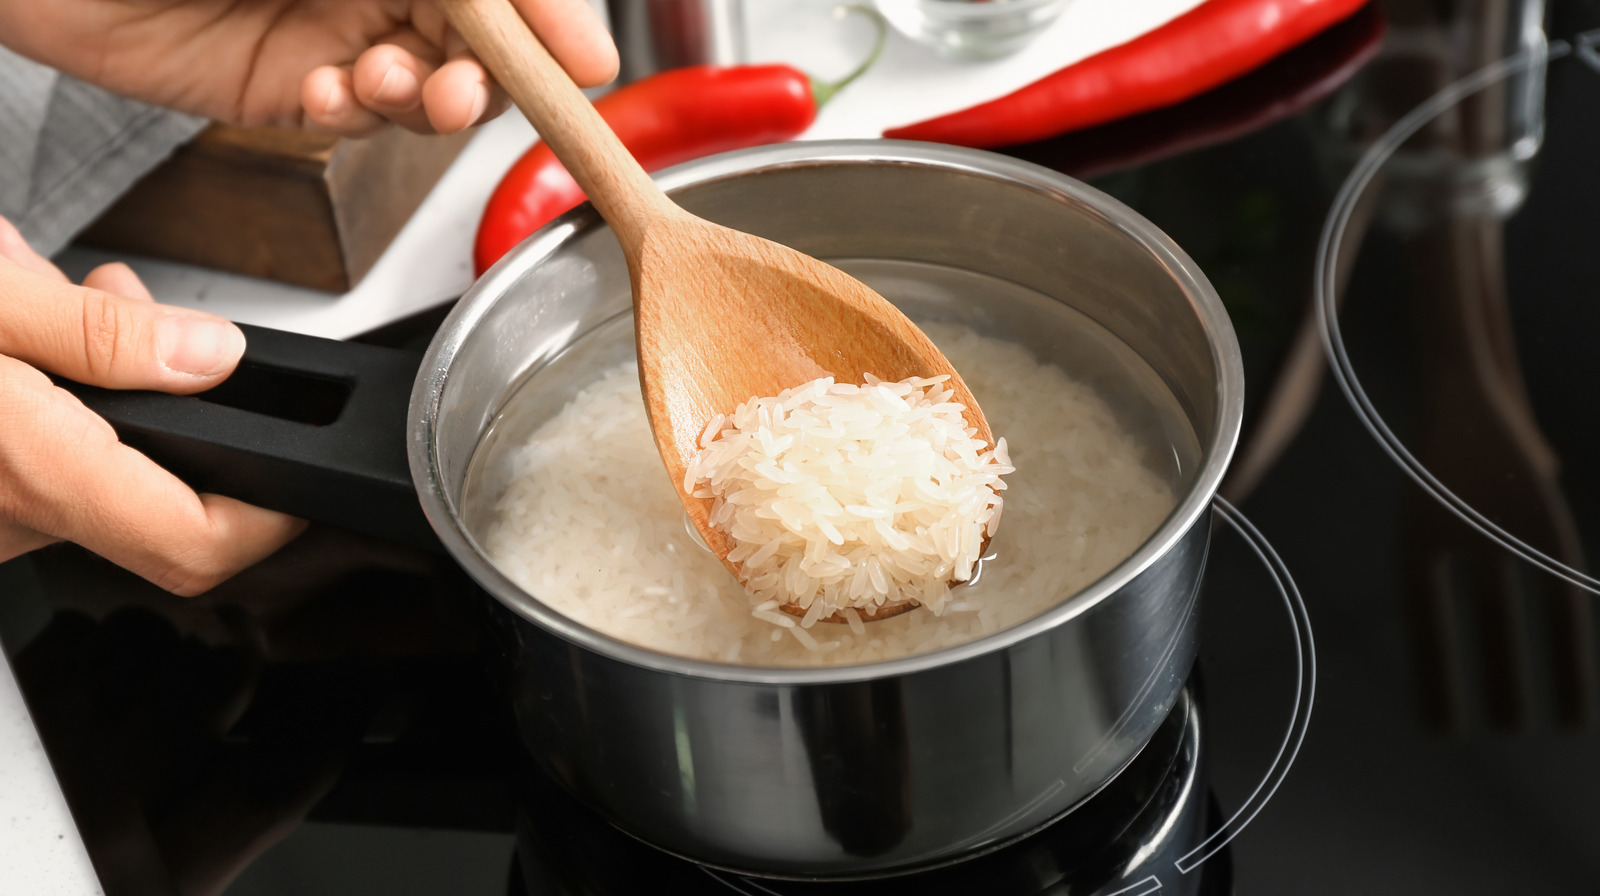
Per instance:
{"type": "Point", "coordinates": [433, 377]}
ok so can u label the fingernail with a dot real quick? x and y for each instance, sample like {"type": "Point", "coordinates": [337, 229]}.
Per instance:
{"type": "Point", "coordinates": [480, 104]}
{"type": "Point", "coordinates": [198, 346]}
{"type": "Point", "coordinates": [335, 101]}
{"type": "Point", "coordinates": [399, 87]}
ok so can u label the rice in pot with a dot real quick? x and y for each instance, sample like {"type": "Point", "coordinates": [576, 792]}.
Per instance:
{"type": "Point", "coordinates": [589, 523]}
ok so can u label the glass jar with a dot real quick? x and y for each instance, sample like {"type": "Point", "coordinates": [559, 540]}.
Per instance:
{"type": "Point", "coordinates": [972, 29]}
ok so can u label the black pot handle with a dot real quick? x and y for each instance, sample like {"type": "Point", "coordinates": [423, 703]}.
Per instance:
{"type": "Point", "coordinates": [308, 426]}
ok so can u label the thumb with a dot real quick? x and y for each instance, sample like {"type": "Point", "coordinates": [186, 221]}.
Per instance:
{"type": "Point", "coordinates": [107, 340]}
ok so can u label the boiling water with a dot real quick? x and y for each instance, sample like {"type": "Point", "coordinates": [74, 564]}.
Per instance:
{"type": "Point", "coordinates": [1144, 409]}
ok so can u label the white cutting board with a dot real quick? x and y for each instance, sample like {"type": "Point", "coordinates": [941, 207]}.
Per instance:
{"type": "Point", "coordinates": [911, 82]}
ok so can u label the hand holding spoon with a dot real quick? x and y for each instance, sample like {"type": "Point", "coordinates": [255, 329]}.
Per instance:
{"type": "Point", "coordinates": [720, 316]}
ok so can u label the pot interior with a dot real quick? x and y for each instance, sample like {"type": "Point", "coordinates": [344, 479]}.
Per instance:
{"type": "Point", "coordinates": [953, 237]}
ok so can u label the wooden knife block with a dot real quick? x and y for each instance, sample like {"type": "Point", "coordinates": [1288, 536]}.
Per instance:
{"type": "Point", "coordinates": [308, 209]}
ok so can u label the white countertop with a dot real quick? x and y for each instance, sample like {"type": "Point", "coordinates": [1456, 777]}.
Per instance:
{"type": "Point", "coordinates": [430, 263]}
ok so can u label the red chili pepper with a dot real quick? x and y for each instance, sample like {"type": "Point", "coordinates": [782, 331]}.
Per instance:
{"type": "Point", "coordinates": [1281, 89]}
{"type": "Point", "coordinates": [1213, 43]}
{"type": "Point", "coordinates": [666, 118]}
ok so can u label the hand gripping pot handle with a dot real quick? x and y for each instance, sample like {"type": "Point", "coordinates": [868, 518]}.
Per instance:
{"type": "Point", "coordinates": [308, 426]}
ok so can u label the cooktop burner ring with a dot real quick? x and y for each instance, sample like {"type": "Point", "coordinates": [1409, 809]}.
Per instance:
{"type": "Point", "coordinates": [1326, 291]}
{"type": "Point", "coordinates": [1305, 688]}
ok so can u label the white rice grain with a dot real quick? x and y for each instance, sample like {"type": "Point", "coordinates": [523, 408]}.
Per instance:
{"type": "Point", "coordinates": [1079, 502]}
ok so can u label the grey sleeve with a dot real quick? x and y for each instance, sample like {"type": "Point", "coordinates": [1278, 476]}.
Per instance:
{"type": "Point", "coordinates": [68, 150]}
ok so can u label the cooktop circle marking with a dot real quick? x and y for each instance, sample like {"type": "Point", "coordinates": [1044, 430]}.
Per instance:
{"type": "Point", "coordinates": [1305, 690]}
{"type": "Point", "coordinates": [1326, 290]}
{"type": "Point", "coordinates": [1142, 888]}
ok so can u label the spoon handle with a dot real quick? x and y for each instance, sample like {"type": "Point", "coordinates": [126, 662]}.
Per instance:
{"type": "Point", "coordinates": [610, 176]}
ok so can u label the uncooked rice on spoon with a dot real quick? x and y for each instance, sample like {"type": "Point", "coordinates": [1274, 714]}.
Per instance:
{"type": "Point", "coordinates": [841, 497]}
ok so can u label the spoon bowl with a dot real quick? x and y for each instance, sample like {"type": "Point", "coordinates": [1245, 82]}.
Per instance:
{"type": "Point", "coordinates": [722, 316]}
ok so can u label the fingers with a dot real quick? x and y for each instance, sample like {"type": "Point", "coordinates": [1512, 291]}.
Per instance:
{"type": "Point", "coordinates": [64, 476]}
{"type": "Point", "coordinates": [63, 473]}
{"type": "Point", "coordinates": [575, 36]}
{"type": "Point", "coordinates": [114, 277]}
{"type": "Point", "coordinates": [328, 96]}
{"type": "Point", "coordinates": [403, 80]}
{"type": "Point", "coordinates": [118, 279]}
{"type": "Point", "coordinates": [461, 94]}
{"type": "Point", "coordinates": [96, 337]}
{"type": "Point", "coordinates": [404, 77]}
{"type": "Point", "coordinates": [389, 76]}
{"type": "Point", "coordinates": [388, 80]}
{"type": "Point", "coordinates": [391, 84]}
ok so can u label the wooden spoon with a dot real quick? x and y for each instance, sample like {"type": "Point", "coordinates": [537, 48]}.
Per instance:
{"type": "Point", "coordinates": [720, 316]}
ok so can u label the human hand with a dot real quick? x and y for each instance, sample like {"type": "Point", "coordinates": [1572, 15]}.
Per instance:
{"type": "Point", "coordinates": [64, 476]}
{"type": "Point", "coordinates": [345, 66]}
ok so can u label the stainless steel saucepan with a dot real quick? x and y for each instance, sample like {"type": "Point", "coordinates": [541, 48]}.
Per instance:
{"type": "Point", "coordinates": [879, 767]}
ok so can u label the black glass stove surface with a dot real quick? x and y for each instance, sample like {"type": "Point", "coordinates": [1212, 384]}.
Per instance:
{"type": "Point", "coordinates": [320, 725]}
